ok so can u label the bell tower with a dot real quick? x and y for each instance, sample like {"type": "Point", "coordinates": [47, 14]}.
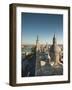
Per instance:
{"type": "Point", "coordinates": [37, 56]}
{"type": "Point", "coordinates": [54, 40]}
{"type": "Point", "coordinates": [37, 44]}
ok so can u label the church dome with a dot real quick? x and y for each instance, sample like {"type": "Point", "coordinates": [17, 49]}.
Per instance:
{"type": "Point", "coordinates": [55, 49]}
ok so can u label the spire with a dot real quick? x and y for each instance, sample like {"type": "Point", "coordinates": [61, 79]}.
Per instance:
{"type": "Point", "coordinates": [54, 35]}
{"type": "Point", "coordinates": [37, 44]}
{"type": "Point", "coordinates": [37, 38]}
{"type": "Point", "coordinates": [54, 39]}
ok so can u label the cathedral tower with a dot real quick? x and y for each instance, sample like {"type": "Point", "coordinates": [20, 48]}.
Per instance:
{"type": "Point", "coordinates": [37, 44]}
{"type": "Point", "coordinates": [37, 56]}
{"type": "Point", "coordinates": [54, 40]}
{"type": "Point", "coordinates": [55, 52]}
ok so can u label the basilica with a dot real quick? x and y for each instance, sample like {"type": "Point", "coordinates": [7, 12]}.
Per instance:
{"type": "Point", "coordinates": [42, 59]}
{"type": "Point", "coordinates": [51, 57]}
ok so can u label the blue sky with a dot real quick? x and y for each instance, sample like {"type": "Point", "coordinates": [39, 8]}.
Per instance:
{"type": "Point", "coordinates": [43, 25]}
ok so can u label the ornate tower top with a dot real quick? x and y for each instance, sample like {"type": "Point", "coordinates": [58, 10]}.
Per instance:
{"type": "Point", "coordinates": [37, 38]}
{"type": "Point", "coordinates": [37, 44]}
{"type": "Point", "coordinates": [54, 40]}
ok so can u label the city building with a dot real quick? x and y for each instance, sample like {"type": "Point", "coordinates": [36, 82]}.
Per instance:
{"type": "Point", "coordinates": [50, 56]}
{"type": "Point", "coordinates": [55, 52]}
{"type": "Point", "coordinates": [46, 59]}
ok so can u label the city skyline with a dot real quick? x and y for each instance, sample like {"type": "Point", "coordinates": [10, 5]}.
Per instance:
{"type": "Point", "coordinates": [43, 25]}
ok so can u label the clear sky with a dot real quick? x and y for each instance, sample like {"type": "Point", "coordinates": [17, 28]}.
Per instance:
{"type": "Point", "coordinates": [43, 25]}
